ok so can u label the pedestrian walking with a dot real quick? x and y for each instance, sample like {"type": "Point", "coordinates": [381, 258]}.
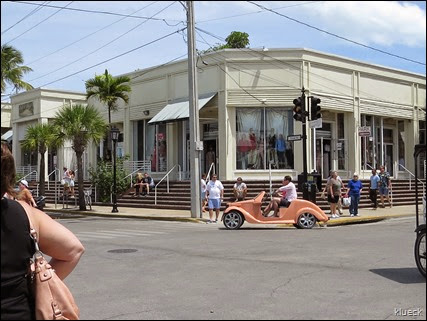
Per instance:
{"type": "Point", "coordinates": [203, 191]}
{"type": "Point", "coordinates": [373, 188]}
{"type": "Point", "coordinates": [333, 188]}
{"type": "Point", "coordinates": [354, 189]}
{"type": "Point", "coordinates": [384, 186]}
{"type": "Point", "coordinates": [215, 193]}
{"type": "Point", "coordinates": [17, 246]}
{"type": "Point", "coordinates": [324, 192]}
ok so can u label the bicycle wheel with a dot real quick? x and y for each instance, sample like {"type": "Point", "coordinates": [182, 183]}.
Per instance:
{"type": "Point", "coordinates": [420, 252]}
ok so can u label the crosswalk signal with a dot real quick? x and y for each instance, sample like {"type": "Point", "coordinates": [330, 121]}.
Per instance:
{"type": "Point", "coordinates": [298, 109]}
{"type": "Point", "coordinates": [315, 108]}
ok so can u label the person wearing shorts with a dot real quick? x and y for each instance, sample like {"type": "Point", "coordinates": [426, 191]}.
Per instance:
{"type": "Point", "coordinates": [384, 186]}
{"type": "Point", "coordinates": [215, 193]}
{"type": "Point", "coordinates": [334, 192]}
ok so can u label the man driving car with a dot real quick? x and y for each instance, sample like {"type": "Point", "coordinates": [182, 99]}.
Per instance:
{"type": "Point", "coordinates": [288, 194]}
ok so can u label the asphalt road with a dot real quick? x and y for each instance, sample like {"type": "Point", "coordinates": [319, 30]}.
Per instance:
{"type": "Point", "coordinates": [140, 269]}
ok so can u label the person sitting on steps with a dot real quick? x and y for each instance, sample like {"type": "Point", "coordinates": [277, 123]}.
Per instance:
{"type": "Point", "coordinates": [288, 192]}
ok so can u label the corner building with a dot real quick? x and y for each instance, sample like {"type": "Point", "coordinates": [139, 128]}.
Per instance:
{"type": "Point", "coordinates": [371, 115]}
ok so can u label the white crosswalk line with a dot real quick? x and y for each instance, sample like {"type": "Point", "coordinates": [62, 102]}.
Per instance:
{"type": "Point", "coordinates": [126, 233]}
{"type": "Point", "coordinates": [94, 236]}
{"type": "Point", "coordinates": [150, 232]}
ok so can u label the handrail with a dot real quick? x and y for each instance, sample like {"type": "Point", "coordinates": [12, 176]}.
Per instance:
{"type": "Point", "coordinates": [209, 171]}
{"type": "Point", "coordinates": [410, 185]}
{"type": "Point", "coordinates": [132, 174]}
{"type": "Point", "coordinates": [30, 174]}
{"type": "Point", "coordinates": [166, 176]}
{"type": "Point", "coordinates": [56, 178]}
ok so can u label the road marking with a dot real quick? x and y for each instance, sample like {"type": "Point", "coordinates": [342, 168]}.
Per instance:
{"type": "Point", "coordinates": [150, 232]}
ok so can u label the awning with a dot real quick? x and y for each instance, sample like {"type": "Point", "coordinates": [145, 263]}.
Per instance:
{"type": "Point", "coordinates": [7, 135]}
{"type": "Point", "coordinates": [179, 110]}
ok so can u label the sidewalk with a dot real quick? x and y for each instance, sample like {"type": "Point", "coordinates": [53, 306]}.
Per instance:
{"type": "Point", "coordinates": [366, 214]}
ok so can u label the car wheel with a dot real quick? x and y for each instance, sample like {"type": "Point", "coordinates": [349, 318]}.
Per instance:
{"type": "Point", "coordinates": [306, 220]}
{"type": "Point", "coordinates": [233, 220]}
{"type": "Point", "coordinates": [296, 226]}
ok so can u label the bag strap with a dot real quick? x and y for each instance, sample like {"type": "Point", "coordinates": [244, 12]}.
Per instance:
{"type": "Point", "coordinates": [33, 232]}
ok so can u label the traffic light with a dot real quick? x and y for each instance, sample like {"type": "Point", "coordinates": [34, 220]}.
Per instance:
{"type": "Point", "coordinates": [298, 109]}
{"type": "Point", "coordinates": [315, 108]}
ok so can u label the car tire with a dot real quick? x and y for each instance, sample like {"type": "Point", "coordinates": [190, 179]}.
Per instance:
{"type": "Point", "coordinates": [233, 220]}
{"type": "Point", "coordinates": [306, 221]}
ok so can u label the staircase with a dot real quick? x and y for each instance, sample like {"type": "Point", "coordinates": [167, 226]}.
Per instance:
{"type": "Point", "coordinates": [179, 196]}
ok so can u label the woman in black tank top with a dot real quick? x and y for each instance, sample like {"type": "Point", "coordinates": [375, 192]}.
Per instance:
{"type": "Point", "coordinates": [17, 247]}
{"type": "Point", "coordinates": [16, 250]}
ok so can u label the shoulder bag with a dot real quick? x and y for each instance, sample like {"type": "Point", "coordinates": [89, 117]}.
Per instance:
{"type": "Point", "coordinates": [53, 299]}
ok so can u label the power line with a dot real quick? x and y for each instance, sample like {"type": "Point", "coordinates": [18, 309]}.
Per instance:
{"type": "Point", "coordinates": [335, 35]}
{"type": "Point", "coordinates": [100, 12]}
{"type": "Point", "coordinates": [92, 52]}
{"type": "Point", "coordinates": [28, 15]}
{"type": "Point", "coordinates": [87, 36]}
{"type": "Point", "coordinates": [255, 12]}
{"type": "Point", "coordinates": [115, 57]}
{"type": "Point", "coordinates": [39, 22]}
{"type": "Point", "coordinates": [249, 50]}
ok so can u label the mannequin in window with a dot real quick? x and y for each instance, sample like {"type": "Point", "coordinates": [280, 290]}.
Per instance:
{"type": "Point", "coordinates": [281, 150]}
{"type": "Point", "coordinates": [243, 146]}
{"type": "Point", "coordinates": [272, 152]}
{"type": "Point", "coordinates": [252, 149]}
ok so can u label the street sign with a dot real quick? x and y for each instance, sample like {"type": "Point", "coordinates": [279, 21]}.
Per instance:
{"type": "Point", "coordinates": [316, 123]}
{"type": "Point", "coordinates": [365, 131]}
{"type": "Point", "coordinates": [292, 138]}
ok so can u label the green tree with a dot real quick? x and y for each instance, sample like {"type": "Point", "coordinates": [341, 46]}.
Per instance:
{"type": "Point", "coordinates": [80, 124]}
{"type": "Point", "coordinates": [108, 90]}
{"type": "Point", "coordinates": [40, 138]}
{"type": "Point", "coordinates": [102, 177]}
{"type": "Point", "coordinates": [235, 39]}
{"type": "Point", "coordinates": [12, 70]}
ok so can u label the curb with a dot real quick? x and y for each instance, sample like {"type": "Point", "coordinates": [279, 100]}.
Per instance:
{"type": "Point", "coordinates": [146, 217]}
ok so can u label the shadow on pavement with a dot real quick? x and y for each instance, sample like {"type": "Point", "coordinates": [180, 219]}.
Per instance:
{"type": "Point", "coordinates": [401, 275]}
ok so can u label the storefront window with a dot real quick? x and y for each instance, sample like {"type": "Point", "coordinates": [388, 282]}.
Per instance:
{"type": "Point", "coordinates": [155, 147]}
{"type": "Point", "coordinates": [261, 138]}
{"type": "Point", "coordinates": [341, 145]}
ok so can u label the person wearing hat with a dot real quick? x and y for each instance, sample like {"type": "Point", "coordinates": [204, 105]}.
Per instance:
{"type": "Point", "coordinates": [354, 189]}
{"type": "Point", "coordinates": [24, 194]}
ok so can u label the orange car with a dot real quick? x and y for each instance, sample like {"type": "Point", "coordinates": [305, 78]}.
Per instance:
{"type": "Point", "coordinates": [301, 213]}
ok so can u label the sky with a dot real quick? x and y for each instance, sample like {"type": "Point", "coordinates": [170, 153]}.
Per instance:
{"type": "Point", "coordinates": [65, 47]}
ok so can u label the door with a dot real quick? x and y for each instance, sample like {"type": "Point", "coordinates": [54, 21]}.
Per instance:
{"type": "Point", "coordinates": [389, 161]}
{"type": "Point", "coordinates": [323, 156]}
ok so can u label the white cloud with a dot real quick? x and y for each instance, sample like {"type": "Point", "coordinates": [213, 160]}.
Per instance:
{"type": "Point", "coordinates": [375, 22]}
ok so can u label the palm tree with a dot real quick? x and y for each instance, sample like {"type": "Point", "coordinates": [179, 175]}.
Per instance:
{"type": "Point", "coordinates": [40, 137]}
{"type": "Point", "coordinates": [11, 69]}
{"type": "Point", "coordinates": [80, 124]}
{"type": "Point", "coordinates": [108, 90]}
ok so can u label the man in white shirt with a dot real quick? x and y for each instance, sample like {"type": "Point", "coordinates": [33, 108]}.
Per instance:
{"type": "Point", "coordinates": [288, 193]}
{"type": "Point", "coordinates": [239, 190]}
{"type": "Point", "coordinates": [215, 193]}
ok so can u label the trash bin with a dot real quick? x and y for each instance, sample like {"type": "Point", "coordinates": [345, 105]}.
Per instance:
{"type": "Point", "coordinates": [315, 177]}
{"type": "Point", "coordinates": [309, 192]}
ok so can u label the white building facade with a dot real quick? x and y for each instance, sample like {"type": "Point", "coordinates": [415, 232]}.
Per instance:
{"type": "Point", "coordinates": [40, 106]}
{"type": "Point", "coordinates": [246, 102]}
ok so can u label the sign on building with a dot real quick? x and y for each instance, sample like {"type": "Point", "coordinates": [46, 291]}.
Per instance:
{"type": "Point", "coordinates": [365, 131]}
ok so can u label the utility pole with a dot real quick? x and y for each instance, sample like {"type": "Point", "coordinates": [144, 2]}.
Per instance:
{"type": "Point", "coordinates": [195, 144]}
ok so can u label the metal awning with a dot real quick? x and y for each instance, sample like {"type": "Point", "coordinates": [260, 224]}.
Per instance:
{"type": "Point", "coordinates": [7, 135]}
{"type": "Point", "coordinates": [179, 110]}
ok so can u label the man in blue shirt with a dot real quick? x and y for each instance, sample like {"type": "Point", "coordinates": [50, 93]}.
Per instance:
{"type": "Point", "coordinates": [373, 188]}
{"type": "Point", "coordinates": [354, 189]}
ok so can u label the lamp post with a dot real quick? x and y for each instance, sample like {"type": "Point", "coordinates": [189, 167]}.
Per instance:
{"type": "Point", "coordinates": [114, 135]}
